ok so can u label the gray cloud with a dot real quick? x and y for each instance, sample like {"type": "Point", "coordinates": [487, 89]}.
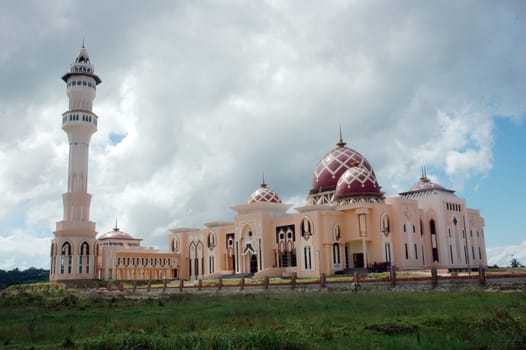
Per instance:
{"type": "Point", "coordinates": [208, 95]}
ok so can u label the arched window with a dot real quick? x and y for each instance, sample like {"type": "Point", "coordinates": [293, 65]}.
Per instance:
{"type": "Point", "coordinates": [385, 225]}
{"type": "Point", "coordinates": [211, 264]}
{"type": "Point", "coordinates": [306, 228]}
{"type": "Point", "coordinates": [336, 257]}
{"type": "Point", "coordinates": [84, 256]}
{"type": "Point", "coordinates": [52, 253]}
{"type": "Point", "coordinates": [337, 233]}
{"type": "Point", "coordinates": [307, 254]}
{"type": "Point", "coordinates": [434, 243]}
{"type": "Point", "coordinates": [65, 257]}
{"type": "Point", "coordinates": [211, 240]}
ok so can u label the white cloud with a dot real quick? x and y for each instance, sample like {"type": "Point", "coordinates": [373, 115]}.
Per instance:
{"type": "Point", "coordinates": [502, 256]}
{"type": "Point", "coordinates": [210, 95]}
{"type": "Point", "coordinates": [24, 250]}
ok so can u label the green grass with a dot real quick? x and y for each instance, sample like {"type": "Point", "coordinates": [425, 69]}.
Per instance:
{"type": "Point", "coordinates": [54, 318]}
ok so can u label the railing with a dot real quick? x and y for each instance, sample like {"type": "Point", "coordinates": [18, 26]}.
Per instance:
{"type": "Point", "coordinates": [353, 283]}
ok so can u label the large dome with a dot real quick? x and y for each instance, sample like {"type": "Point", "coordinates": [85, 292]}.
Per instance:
{"type": "Point", "coordinates": [334, 164]}
{"type": "Point", "coordinates": [358, 182]}
{"type": "Point", "coordinates": [264, 194]}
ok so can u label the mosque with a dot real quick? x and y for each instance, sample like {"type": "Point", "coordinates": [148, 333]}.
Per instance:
{"type": "Point", "coordinates": [345, 224]}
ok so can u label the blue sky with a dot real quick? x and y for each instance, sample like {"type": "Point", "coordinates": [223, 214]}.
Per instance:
{"type": "Point", "coordinates": [500, 194]}
{"type": "Point", "coordinates": [199, 98]}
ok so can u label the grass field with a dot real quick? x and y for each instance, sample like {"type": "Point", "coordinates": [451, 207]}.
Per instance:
{"type": "Point", "coordinates": [55, 318]}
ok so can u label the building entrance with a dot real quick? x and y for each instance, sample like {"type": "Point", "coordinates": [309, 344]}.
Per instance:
{"type": "Point", "coordinates": [253, 264]}
{"type": "Point", "coordinates": [358, 260]}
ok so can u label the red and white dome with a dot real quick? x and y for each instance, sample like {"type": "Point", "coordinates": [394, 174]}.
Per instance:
{"type": "Point", "coordinates": [357, 181]}
{"type": "Point", "coordinates": [264, 194]}
{"type": "Point", "coordinates": [332, 166]}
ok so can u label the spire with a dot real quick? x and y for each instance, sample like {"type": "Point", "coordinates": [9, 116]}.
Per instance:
{"type": "Point", "coordinates": [341, 143]}
{"type": "Point", "coordinates": [116, 228]}
{"type": "Point", "coordinates": [83, 42]}
{"type": "Point", "coordinates": [424, 178]}
{"type": "Point", "coordinates": [263, 183]}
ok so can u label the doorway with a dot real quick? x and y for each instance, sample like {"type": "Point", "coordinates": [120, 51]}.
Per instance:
{"type": "Point", "coordinates": [253, 264]}
{"type": "Point", "coordinates": [358, 260]}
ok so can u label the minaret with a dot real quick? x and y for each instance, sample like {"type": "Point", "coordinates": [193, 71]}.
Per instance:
{"type": "Point", "coordinates": [73, 251]}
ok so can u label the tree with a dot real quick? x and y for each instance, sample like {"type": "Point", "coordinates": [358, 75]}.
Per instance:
{"type": "Point", "coordinates": [515, 263]}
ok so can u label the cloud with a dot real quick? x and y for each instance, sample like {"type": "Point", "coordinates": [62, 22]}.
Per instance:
{"type": "Point", "coordinates": [502, 256]}
{"type": "Point", "coordinates": [207, 96]}
{"type": "Point", "coordinates": [24, 250]}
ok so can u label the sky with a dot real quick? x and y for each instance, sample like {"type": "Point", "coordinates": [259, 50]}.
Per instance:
{"type": "Point", "coordinates": [198, 98]}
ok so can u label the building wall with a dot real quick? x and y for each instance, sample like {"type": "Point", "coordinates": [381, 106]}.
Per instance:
{"type": "Point", "coordinates": [339, 238]}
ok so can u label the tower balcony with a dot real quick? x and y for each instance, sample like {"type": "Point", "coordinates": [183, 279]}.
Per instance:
{"type": "Point", "coordinates": [79, 117]}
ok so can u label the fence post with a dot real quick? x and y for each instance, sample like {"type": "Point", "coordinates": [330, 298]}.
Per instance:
{"type": "Point", "coordinates": [164, 285]}
{"type": "Point", "coordinates": [293, 281]}
{"type": "Point", "coordinates": [149, 286]}
{"type": "Point", "coordinates": [134, 286]}
{"type": "Point", "coordinates": [199, 284]}
{"type": "Point", "coordinates": [242, 283]}
{"type": "Point", "coordinates": [393, 275]}
{"type": "Point", "coordinates": [434, 277]}
{"type": "Point", "coordinates": [355, 276]}
{"type": "Point", "coordinates": [322, 280]}
{"type": "Point", "coordinates": [266, 282]}
{"type": "Point", "coordinates": [181, 285]}
{"type": "Point", "coordinates": [220, 284]}
{"type": "Point", "coordinates": [482, 275]}
{"type": "Point", "coordinates": [121, 286]}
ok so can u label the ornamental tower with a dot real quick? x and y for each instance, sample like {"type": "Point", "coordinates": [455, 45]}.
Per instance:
{"type": "Point", "coordinates": [73, 251]}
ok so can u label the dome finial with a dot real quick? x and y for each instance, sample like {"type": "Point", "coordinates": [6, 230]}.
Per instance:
{"type": "Point", "coordinates": [116, 228]}
{"type": "Point", "coordinates": [83, 42]}
{"type": "Point", "coordinates": [263, 183]}
{"type": "Point", "coordinates": [341, 143]}
{"type": "Point", "coordinates": [424, 178]}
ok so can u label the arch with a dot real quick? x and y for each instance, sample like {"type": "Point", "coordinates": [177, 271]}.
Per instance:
{"type": "Point", "coordinates": [211, 240]}
{"type": "Point", "coordinates": [307, 257]}
{"type": "Point", "coordinates": [191, 257]}
{"type": "Point", "coordinates": [306, 228]}
{"type": "Point", "coordinates": [247, 232]}
{"type": "Point", "coordinates": [336, 254]}
{"type": "Point", "coordinates": [52, 254]}
{"type": "Point", "coordinates": [84, 255]}
{"type": "Point", "coordinates": [434, 241]}
{"type": "Point", "coordinates": [65, 257]}
{"type": "Point", "coordinates": [385, 224]}
{"type": "Point", "coordinates": [198, 261]}
{"type": "Point", "coordinates": [337, 232]}
{"type": "Point", "coordinates": [176, 245]}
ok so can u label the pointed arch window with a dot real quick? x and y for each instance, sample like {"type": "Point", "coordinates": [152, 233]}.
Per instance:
{"type": "Point", "coordinates": [84, 256]}
{"type": "Point", "coordinates": [65, 257]}
{"type": "Point", "coordinates": [337, 233]}
{"type": "Point", "coordinates": [385, 225]}
{"type": "Point", "coordinates": [306, 228]}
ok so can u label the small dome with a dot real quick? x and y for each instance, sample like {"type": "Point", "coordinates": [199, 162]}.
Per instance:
{"type": "Point", "coordinates": [334, 164]}
{"type": "Point", "coordinates": [116, 233]}
{"type": "Point", "coordinates": [264, 194]}
{"type": "Point", "coordinates": [425, 185]}
{"type": "Point", "coordinates": [358, 181]}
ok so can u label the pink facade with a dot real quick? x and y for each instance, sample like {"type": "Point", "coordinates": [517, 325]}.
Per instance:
{"type": "Point", "coordinates": [345, 224]}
